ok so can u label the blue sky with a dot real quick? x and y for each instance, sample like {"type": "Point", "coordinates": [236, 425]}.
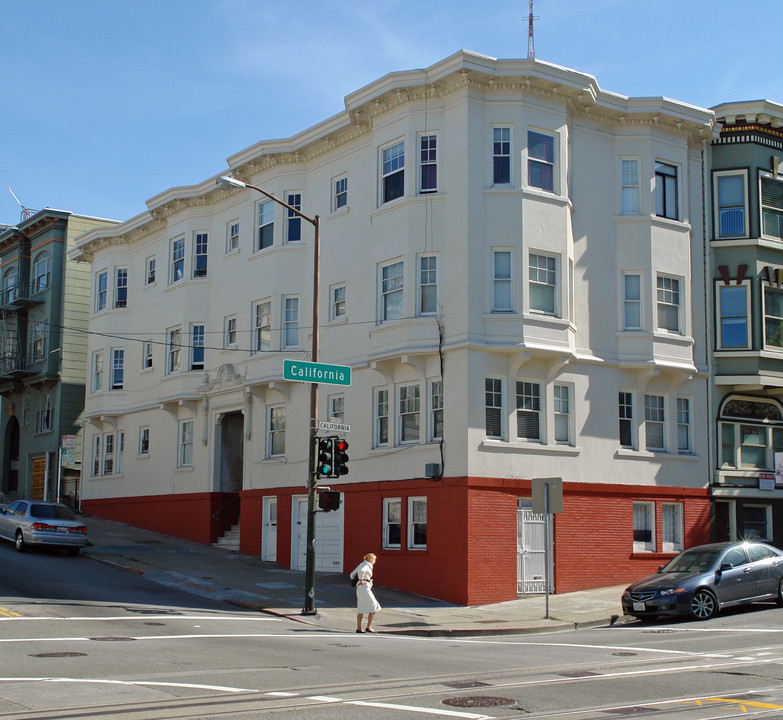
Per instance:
{"type": "Point", "coordinates": [106, 103]}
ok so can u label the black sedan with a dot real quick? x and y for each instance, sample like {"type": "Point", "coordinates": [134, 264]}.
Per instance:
{"type": "Point", "coordinates": [703, 580]}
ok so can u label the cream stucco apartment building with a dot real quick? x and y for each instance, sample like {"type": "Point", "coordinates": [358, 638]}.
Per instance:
{"type": "Point", "coordinates": [511, 265]}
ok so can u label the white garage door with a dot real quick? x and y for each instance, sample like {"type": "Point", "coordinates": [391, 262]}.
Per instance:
{"type": "Point", "coordinates": [328, 538]}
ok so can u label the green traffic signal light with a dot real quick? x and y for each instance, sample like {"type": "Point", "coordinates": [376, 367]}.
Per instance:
{"type": "Point", "coordinates": [325, 464]}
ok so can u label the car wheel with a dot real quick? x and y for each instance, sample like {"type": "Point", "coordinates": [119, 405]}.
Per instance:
{"type": "Point", "coordinates": [779, 598]}
{"type": "Point", "coordinates": [19, 542]}
{"type": "Point", "coordinates": [704, 605]}
{"type": "Point", "coordinates": [72, 550]}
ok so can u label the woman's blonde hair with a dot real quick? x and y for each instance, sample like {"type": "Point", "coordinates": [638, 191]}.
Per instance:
{"type": "Point", "coordinates": [370, 557]}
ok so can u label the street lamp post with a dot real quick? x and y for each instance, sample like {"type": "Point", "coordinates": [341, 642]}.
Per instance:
{"type": "Point", "coordinates": [315, 221]}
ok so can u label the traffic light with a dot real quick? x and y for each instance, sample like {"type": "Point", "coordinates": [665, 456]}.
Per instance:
{"type": "Point", "coordinates": [329, 500]}
{"type": "Point", "coordinates": [340, 457]}
{"type": "Point", "coordinates": [325, 460]}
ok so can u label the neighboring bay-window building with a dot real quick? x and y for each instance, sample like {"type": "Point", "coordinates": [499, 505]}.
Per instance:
{"type": "Point", "coordinates": [476, 220]}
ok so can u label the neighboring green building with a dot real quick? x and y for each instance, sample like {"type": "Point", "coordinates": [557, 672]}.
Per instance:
{"type": "Point", "coordinates": [746, 271]}
{"type": "Point", "coordinates": [44, 306]}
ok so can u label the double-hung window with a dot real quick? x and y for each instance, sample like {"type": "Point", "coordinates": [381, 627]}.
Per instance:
{"type": "Point", "coordinates": [293, 221]}
{"type": "Point", "coordinates": [393, 172]}
{"type": "Point", "coordinates": [185, 449]}
{"type": "Point", "coordinates": [540, 161]}
{"type": "Point", "coordinates": [542, 274]}
{"type": "Point", "coordinates": [671, 521]}
{"type": "Point", "coordinates": [232, 236]}
{"type": "Point", "coordinates": [96, 455]}
{"type": "Point", "coordinates": [436, 410]}
{"type": "Point", "coordinates": [666, 191]}
{"type": "Point", "coordinates": [562, 411]}
{"type": "Point", "coordinates": [428, 285]}
{"type": "Point", "coordinates": [751, 433]}
{"type": "Point", "coordinates": [668, 302]}
{"type": "Point", "coordinates": [654, 422]}
{"type": "Point", "coordinates": [632, 301]}
{"type": "Point", "coordinates": [41, 271]}
{"type": "Point", "coordinates": [291, 322]}
{"type": "Point", "coordinates": [121, 288]}
{"type": "Point", "coordinates": [197, 347]}
{"type": "Point", "coordinates": [410, 413]}
{"type": "Point", "coordinates": [266, 223]}
{"type": "Point", "coordinates": [629, 186]}
{"type": "Point", "coordinates": [625, 414]}
{"type": "Point", "coordinates": [276, 431]}
{"type": "Point", "coordinates": [149, 271]}
{"type": "Point", "coordinates": [733, 313]}
{"type": "Point", "coordinates": [101, 290]}
{"type": "Point", "coordinates": [37, 341]}
{"type": "Point", "coordinates": [200, 248]}
{"type": "Point", "coordinates": [772, 207]}
{"type": "Point", "coordinates": [97, 371]}
{"type": "Point", "coordinates": [392, 523]}
{"type": "Point", "coordinates": [146, 355]}
{"type": "Point", "coordinates": [117, 368]}
{"type": "Point", "coordinates": [501, 155]}
{"type": "Point", "coordinates": [45, 412]}
{"type": "Point", "coordinates": [174, 351]}
{"type": "Point", "coordinates": [144, 440]}
{"type": "Point", "coordinates": [381, 417]}
{"type": "Point", "coordinates": [428, 163]}
{"type": "Point", "coordinates": [337, 302]}
{"type": "Point", "coordinates": [773, 317]}
{"type": "Point", "coordinates": [263, 326]}
{"type": "Point", "coordinates": [644, 527]}
{"type": "Point", "coordinates": [684, 429]}
{"type": "Point", "coordinates": [177, 260]}
{"type": "Point", "coordinates": [417, 523]}
{"type": "Point", "coordinates": [336, 407]}
{"type": "Point", "coordinates": [108, 454]}
{"type": "Point", "coordinates": [230, 332]}
{"type": "Point", "coordinates": [391, 291]}
{"type": "Point", "coordinates": [528, 410]}
{"type": "Point", "coordinates": [340, 197]}
{"type": "Point", "coordinates": [502, 296]}
{"type": "Point", "coordinates": [493, 407]}
{"type": "Point", "coordinates": [730, 203]}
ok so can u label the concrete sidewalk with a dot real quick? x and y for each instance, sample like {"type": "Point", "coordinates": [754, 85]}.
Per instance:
{"type": "Point", "coordinates": [247, 581]}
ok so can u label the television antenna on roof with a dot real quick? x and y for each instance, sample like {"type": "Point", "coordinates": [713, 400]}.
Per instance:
{"type": "Point", "coordinates": [531, 50]}
{"type": "Point", "coordinates": [26, 212]}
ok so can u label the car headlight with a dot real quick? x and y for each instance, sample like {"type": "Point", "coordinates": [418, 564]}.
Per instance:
{"type": "Point", "coordinates": [671, 591]}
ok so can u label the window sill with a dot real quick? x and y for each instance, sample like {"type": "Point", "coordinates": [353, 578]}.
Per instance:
{"type": "Point", "coordinates": [339, 212]}
{"type": "Point", "coordinates": [629, 454]}
{"type": "Point", "coordinates": [522, 446]}
{"type": "Point", "coordinates": [232, 253]}
{"type": "Point", "coordinates": [340, 320]}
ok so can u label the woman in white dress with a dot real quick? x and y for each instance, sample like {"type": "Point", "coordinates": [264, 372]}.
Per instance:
{"type": "Point", "coordinates": [365, 600]}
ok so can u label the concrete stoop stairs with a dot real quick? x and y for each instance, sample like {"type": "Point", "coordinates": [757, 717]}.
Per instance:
{"type": "Point", "coordinates": [229, 540]}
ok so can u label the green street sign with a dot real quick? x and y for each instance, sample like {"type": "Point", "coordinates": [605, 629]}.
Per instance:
{"type": "Point", "coordinates": [305, 371]}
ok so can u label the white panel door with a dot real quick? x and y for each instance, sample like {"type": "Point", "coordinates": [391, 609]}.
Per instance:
{"type": "Point", "coordinates": [328, 538]}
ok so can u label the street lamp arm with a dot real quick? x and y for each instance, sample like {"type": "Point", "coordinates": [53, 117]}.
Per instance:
{"type": "Point", "coordinates": [226, 180]}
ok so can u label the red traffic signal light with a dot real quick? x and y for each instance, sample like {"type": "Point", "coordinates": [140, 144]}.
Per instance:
{"type": "Point", "coordinates": [329, 500]}
{"type": "Point", "coordinates": [340, 457]}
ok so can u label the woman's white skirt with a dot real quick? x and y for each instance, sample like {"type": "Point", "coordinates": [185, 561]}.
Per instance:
{"type": "Point", "coordinates": [365, 600]}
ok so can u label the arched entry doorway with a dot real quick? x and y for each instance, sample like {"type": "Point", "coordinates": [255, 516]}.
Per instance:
{"type": "Point", "coordinates": [231, 466]}
{"type": "Point", "coordinates": [11, 455]}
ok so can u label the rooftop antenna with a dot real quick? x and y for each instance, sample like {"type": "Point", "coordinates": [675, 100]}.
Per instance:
{"type": "Point", "coordinates": [26, 212]}
{"type": "Point", "coordinates": [531, 50]}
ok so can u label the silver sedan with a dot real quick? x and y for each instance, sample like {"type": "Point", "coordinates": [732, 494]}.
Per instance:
{"type": "Point", "coordinates": [37, 523]}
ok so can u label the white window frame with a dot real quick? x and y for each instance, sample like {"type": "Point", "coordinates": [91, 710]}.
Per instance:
{"type": "Point", "coordinates": [392, 167]}
{"type": "Point", "coordinates": [291, 324]}
{"type": "Point", "coordinates": [767, 288]}
{"type": "Point", "coordinates": [107, 465]}
{"type": "Point", "coordinates": [197, 343]}
{"type": "Point", "coordinates": [672, 527]}
{"type": "Point", "coordinates": [501, 151]}
{"type": "Point", "coordinates": [412, 523]}
{"type": "Point", "coordinates": [262, 326]}
{"type": "Point", "coordinates": [96, 455]}
{"type": "Point", "coordinates": [293, 221]}
{"type": "Point", "coordinates": [265, 225]}
{"type": "Point", "coordinates": [435, 407]}
{"type": "Point", "coordinates": [630, 302]}
{"type": "Point", "coordinates": [120, 287]}
{"type": "Point", "coordinates": [232, 236]}
{"type": "Point", "coordinates": [336, 408]}
{"type": "Point", "coordinates": [337, 301]}
{"type": "Point", "coordinates": [529, 402]}
{"type": "Point", "coordinates": [768, 517]}
{"type": "Point", "coordinates": [626, 400]}
{"type": "Point", "coordinates": [720, 287]}
{"type": "Point", "coordinates": [381, 415]}
{"type": "Point", "coordinates": [150, 271]}
{"type": "Point", "coordinates": [562, 403]}
{"type": "Point", "coordinates": [144, 440]}
{"type": "Point", "coordinates": [230, 331]}
{"type": "Point", "coordinates": [544, 278]}
{"type": "Point", "coordinates": [340, 193]}
{"type": "Point", "coordinates": [494, 391]}
{"type": "Point", "coordinates": [120, 452]}
{"type": "Point", "coordinates": [276, 427]}
{"type": "Point", "coordinates": [629, 186]}
{"type": "Point", "coordinates": [117, 369]}
{"type": "Point", "coordinates": [534, 161]}
{"type": "Point", "coordinates": [177, 260]}
{"type": "Point", "coordinates": [146, 355]}
{"type": "Point", "coordinates": [769, 211]}
{"type": "Point", "coordinates": [499, 281]}
{"type": "Point", "coordinates": [173, 350]}
{"type": "Point", "coordinates": [684, 425]}
{"type": "Point", "coordinates": [718, 175]}
{"type": "Point", "coordinates": [185, 444]}
{"type": "Point", "coordinates": [427, 147]}
{"type": "Point", "coordinates": [200, 254]}
{"type": "Point", "coordinates": [408, 407]}
{"type": "Point", "coordinates": [392, 506]}
{"type": "Point", "coordinates": [655, 413]}
{"type": "Point", "coordinates": [427, 281]}
{"type": "Point", "coordinates": [663, 298]}
{"type": "Point", "coordinates": [644, 511]}
{"type": "Point", "coordinates": [391, 286]}
{"type": "Point", "coordinates": [38, 341]}
{"type": "Point", "coordinates": [101, 290]}
{"type": "Point", "coordinates": [97, 371]}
